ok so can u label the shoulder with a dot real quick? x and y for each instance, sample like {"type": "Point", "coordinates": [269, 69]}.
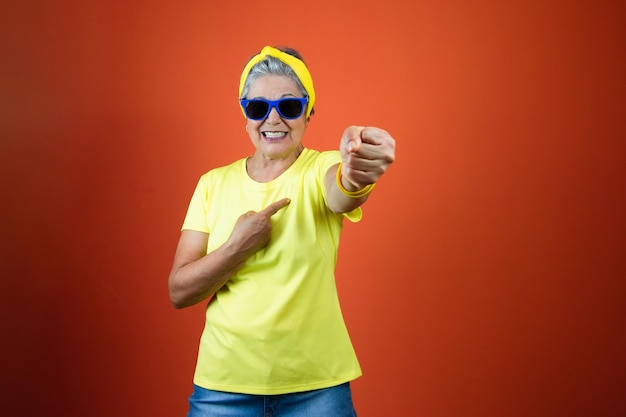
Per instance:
{"type": "Point", "coordinates": [321, 159]}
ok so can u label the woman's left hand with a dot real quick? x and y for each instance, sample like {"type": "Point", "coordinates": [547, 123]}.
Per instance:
{"type": "Point", "coordinates": [366, 153]}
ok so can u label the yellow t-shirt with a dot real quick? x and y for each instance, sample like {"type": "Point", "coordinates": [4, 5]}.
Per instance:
{"type": "Point", "coordinates": [276, 326]}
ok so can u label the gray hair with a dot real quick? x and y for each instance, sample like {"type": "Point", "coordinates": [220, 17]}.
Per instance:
{"type": "Point", "coordinates": [270, 66]}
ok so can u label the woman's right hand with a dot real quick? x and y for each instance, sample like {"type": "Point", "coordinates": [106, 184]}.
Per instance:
{"type": "Point", "coordinates": [253, 229]}
{"type": "Point", "coordinates": [196, 274]}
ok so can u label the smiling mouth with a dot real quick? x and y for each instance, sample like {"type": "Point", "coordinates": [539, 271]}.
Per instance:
{"type": "Point", "coordinates": [274, 135]}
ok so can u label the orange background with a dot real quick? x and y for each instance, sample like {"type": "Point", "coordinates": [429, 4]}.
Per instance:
{"type": "Point", "coordinates": [486, 279]}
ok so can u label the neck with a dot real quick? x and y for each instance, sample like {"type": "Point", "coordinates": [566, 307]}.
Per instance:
{"type": "Point", "coordinates": [263, 169]}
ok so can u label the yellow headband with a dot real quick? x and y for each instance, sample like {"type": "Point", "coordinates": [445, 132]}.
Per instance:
{"type": "Point", "coordinates": [296, 65]}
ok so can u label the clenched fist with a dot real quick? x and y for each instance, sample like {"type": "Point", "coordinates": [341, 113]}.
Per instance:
{"type": "Point", "coordinates": [366, 153]}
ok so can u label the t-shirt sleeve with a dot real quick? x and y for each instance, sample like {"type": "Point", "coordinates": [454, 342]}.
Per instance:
{"type": "Point", "coordinates": [197, 210]}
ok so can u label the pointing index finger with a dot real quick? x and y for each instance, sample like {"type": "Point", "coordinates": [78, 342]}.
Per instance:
{"type": "Point", "coordinates": [275, 206]}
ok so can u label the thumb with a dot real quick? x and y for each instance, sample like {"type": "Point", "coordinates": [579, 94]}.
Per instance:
{"type": "Point", "coordinates": [352, 138]}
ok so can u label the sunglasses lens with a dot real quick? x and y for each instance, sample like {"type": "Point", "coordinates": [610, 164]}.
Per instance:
{"type": "Point", "coordinates": [257, 110]}
{"type": "Point", "coordinates": [290, 108]}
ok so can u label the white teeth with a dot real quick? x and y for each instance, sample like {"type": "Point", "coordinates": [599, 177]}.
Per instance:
{"type": "Point", "coordinates": [273, 134]}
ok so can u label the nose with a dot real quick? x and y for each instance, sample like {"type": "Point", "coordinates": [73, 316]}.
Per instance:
{"type": "Point", "coordinates": [273, 115]}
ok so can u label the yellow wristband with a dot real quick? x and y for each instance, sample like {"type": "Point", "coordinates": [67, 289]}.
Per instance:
{"type": "Point", "coordinates": [352, 194]}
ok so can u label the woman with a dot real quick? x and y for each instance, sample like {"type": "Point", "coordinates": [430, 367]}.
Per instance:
{"type": "Point", "coordinates": [260, 242]}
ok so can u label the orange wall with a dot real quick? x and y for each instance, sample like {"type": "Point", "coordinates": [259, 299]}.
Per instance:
{"type": "Point", "coordinates": [487, 278]}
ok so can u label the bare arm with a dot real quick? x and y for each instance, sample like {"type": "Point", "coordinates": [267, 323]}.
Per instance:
{"type": "Point", "coordinates": [196, 275]}
{"type": "Point", "coordinates": [366, 153]}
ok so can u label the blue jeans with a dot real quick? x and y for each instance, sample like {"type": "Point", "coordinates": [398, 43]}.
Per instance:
{"type": "Point", "coordinates": [326, 402]}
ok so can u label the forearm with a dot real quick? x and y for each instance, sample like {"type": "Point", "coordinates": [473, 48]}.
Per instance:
{"type": "Point", "coordinates": [196, 281]}
{"type": "Point", "coordinates": [338, 201]}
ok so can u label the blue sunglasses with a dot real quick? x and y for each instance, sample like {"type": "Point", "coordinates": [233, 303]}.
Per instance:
{"type": "Point", "coordinates": [287, 108]}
